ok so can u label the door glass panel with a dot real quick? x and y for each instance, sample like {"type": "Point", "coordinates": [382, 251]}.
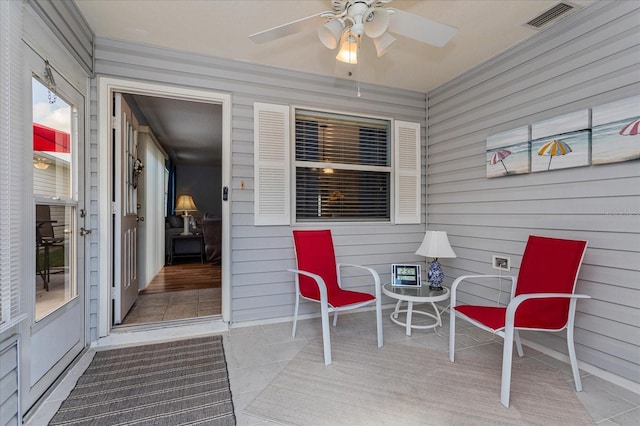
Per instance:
{"type": "Point", "coordinates": [52, 147]}
{"type": "Point", "coordinates": [54, 256]}
{"type": "Point", "coordinates": [54, 121]}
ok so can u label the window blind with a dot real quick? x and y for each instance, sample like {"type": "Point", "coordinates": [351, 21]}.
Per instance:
{"type": "Point", "coordinates": [343, 167]}
{"type": "Point", "coordinates": [12, 143]}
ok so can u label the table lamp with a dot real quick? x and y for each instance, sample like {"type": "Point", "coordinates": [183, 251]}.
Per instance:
{"type": "Point", "coordinates": [435, 245]}
{"type": "Point", "coordinates": [185, 204]}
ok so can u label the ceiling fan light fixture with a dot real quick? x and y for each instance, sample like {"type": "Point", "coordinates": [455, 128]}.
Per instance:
{"type": "Point", "coordinates": [383, 43]}
{"type": "Point", "coordinates": [330, 32]}
{"type": "Point", "coordinates": [348, 48]}
{"type": "Point", "coordinates": [350, 20]}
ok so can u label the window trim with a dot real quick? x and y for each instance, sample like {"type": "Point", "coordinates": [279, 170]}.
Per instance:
{"type": "Point", "coordinates": [411, 216]}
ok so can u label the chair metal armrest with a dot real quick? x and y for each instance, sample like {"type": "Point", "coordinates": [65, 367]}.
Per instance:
{"type": "Point", "coordinates": [373, 272]}
{"type": "Point", "coordinates": [460, 280]}
{"type": "Point", "coordinates": [517, 301]}
{"type": "Point", "coordinates": [513, 305]}
{"type": "Point", "coordinates": [322, 287]}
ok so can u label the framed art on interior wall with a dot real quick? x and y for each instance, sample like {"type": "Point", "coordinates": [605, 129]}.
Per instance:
{"type": "Point", "coordinates": [561, 142]}
{"type": "Point", "coordinates": [616, 131]}
{"type": "Point", "coordinates": [508, 153]}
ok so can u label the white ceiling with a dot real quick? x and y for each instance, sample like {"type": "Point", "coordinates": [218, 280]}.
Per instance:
{"type": "Point", "coordinates": [190, 132]}
{"type": "Point", "coordinates": [221, 28]}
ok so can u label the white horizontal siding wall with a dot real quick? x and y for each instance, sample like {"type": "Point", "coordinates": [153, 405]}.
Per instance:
{"type": "Point", "coordinates": [9, 382]}
{"type": "Point", "coordinates": [261, 289]}
{"type": "Point", "coordinates": [589, 59]}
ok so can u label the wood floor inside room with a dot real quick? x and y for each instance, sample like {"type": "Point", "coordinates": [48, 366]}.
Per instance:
{"type": "Point", "coordinates": [186, 276]}
{"type": "Point", "coordinates": [179, 291]}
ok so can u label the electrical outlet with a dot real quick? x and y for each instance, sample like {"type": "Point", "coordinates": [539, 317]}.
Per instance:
{"type": "Point", "coordinates": [502, 263]}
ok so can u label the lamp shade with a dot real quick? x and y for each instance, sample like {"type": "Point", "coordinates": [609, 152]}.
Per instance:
{"type": "Point", "coordinates": [379, 23]}
{"type": "Point", "coordinates": [383, 43]}
{"type": "Point", "coordinates": [348, 49]}
{"type": "Point", "coordinates": [185, 204]}
{"type": "Point", "coordinates": [330, 33]}
{"type": "Point", "coordinates": [435, 244]}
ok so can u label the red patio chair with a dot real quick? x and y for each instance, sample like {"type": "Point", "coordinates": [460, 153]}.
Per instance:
{"type": "Point", "coordinates": [542, 299]}
{"type": "Point", "coordinates": [318, 280]}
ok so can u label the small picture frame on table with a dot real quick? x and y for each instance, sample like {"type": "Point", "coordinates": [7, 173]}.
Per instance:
{"type": "Point", "coordinates": [405, 275]}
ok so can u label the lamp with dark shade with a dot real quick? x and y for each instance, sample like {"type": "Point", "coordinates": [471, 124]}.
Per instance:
{"type": "Point", "coordinates": [185, 204]}
{"type": "Point", "coordinates": [435, 245]}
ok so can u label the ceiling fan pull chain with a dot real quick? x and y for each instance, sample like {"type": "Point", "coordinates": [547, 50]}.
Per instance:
{"type": "Point", "coordinates": [358, 71]}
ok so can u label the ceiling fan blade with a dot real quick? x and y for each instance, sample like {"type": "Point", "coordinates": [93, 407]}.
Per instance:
{"type": "Point", "coordinates": [309, 23]}
{"type": "Point", "coordinates": [419, 28]}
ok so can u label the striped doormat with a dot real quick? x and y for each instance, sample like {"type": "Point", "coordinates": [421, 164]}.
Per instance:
{"type": "Point", "coordinates": [183, 382]}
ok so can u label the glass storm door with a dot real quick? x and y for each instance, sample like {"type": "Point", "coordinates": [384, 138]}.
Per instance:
{"type": "Point", "coordinates": [56, 168]}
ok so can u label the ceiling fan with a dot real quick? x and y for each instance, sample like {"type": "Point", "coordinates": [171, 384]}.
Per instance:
{"type": "Point", "coordinates": [345, 25]}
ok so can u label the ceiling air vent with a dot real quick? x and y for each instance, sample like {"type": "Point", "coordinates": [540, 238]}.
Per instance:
{"type": "Point", "coordinates": [553, 14]}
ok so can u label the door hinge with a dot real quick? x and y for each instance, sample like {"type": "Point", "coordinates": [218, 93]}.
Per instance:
{"type": "Point", "coordinates": [114, 122]}
{"type": "Point", "coordinates": [114, 207]}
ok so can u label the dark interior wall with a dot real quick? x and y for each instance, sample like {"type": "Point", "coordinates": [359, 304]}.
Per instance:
{"type": "Point", "coordinates": [204, 184]}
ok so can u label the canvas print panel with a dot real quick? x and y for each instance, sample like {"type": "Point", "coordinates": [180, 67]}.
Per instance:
{"type": "Point", "coordinates": [508, 153]}
{"type": "Point", "coordinates": [561, 142]}
{"type": "Point", "coordinates": [616, 131]}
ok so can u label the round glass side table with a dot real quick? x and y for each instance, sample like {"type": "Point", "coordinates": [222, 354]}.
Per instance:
{"type": "Point", "coordinates": [412, 295]}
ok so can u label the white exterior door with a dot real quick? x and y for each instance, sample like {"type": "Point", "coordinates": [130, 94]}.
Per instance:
{"type": "Point", "coordinates": [125, 148]}
{"type": "Point", "coordinates": [56, 292]}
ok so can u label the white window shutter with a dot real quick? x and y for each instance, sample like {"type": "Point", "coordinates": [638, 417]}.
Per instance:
{"type": "Point", "coordinates": [272, 172]}
{"type": "Point", "coordinates": [407, 172]}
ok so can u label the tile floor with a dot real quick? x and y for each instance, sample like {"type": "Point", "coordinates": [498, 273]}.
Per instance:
{"type": "Point", "coordinates": [175, 305]}
{"type": "Point", "coordinates": [255, 355]}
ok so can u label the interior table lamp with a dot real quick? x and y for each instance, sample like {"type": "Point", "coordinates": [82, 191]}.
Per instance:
{"type": "Point", "coordinates": [435, 245]}
{"type": "Point", "coordinates": [185, 204]}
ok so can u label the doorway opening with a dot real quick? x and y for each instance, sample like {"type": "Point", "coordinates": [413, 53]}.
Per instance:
{"type": "Point", "coordinates": [189, 274]}
{"type": "Point", "coordinates": [178, 180]}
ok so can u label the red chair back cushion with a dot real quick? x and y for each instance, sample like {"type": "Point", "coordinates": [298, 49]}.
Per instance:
{"type": "Point", "coordinates": [314, 253]}
{"type": "Point", "coordinates": [549, 265]}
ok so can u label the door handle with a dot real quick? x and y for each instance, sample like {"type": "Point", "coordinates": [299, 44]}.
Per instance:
{"type": "Point", "coordinates": [139, 218]}
{"type": "Point", "coordinates": [84, 232]}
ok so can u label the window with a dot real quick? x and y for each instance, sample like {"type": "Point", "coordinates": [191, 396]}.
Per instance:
{"type": "Point", "coordinates": [346, 168]}
{"type": "Point", "coordinates": [342, 167]}
{"type": "Point", "coordinates": [54, 121]}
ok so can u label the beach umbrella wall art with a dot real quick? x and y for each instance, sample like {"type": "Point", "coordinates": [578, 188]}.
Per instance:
{"type": "Point", "coordinates": [616, 131]}
{"type": "Point", "coordinates": [499, 156]}
{"type": "Point", "coordinates": [554, 148]}
{"type": "Point", "coordinates": [608, 133]}
{"type": "Point", "coordinates": [508, 153]}
{"type": "Point", "coordinates": [561, 142]}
